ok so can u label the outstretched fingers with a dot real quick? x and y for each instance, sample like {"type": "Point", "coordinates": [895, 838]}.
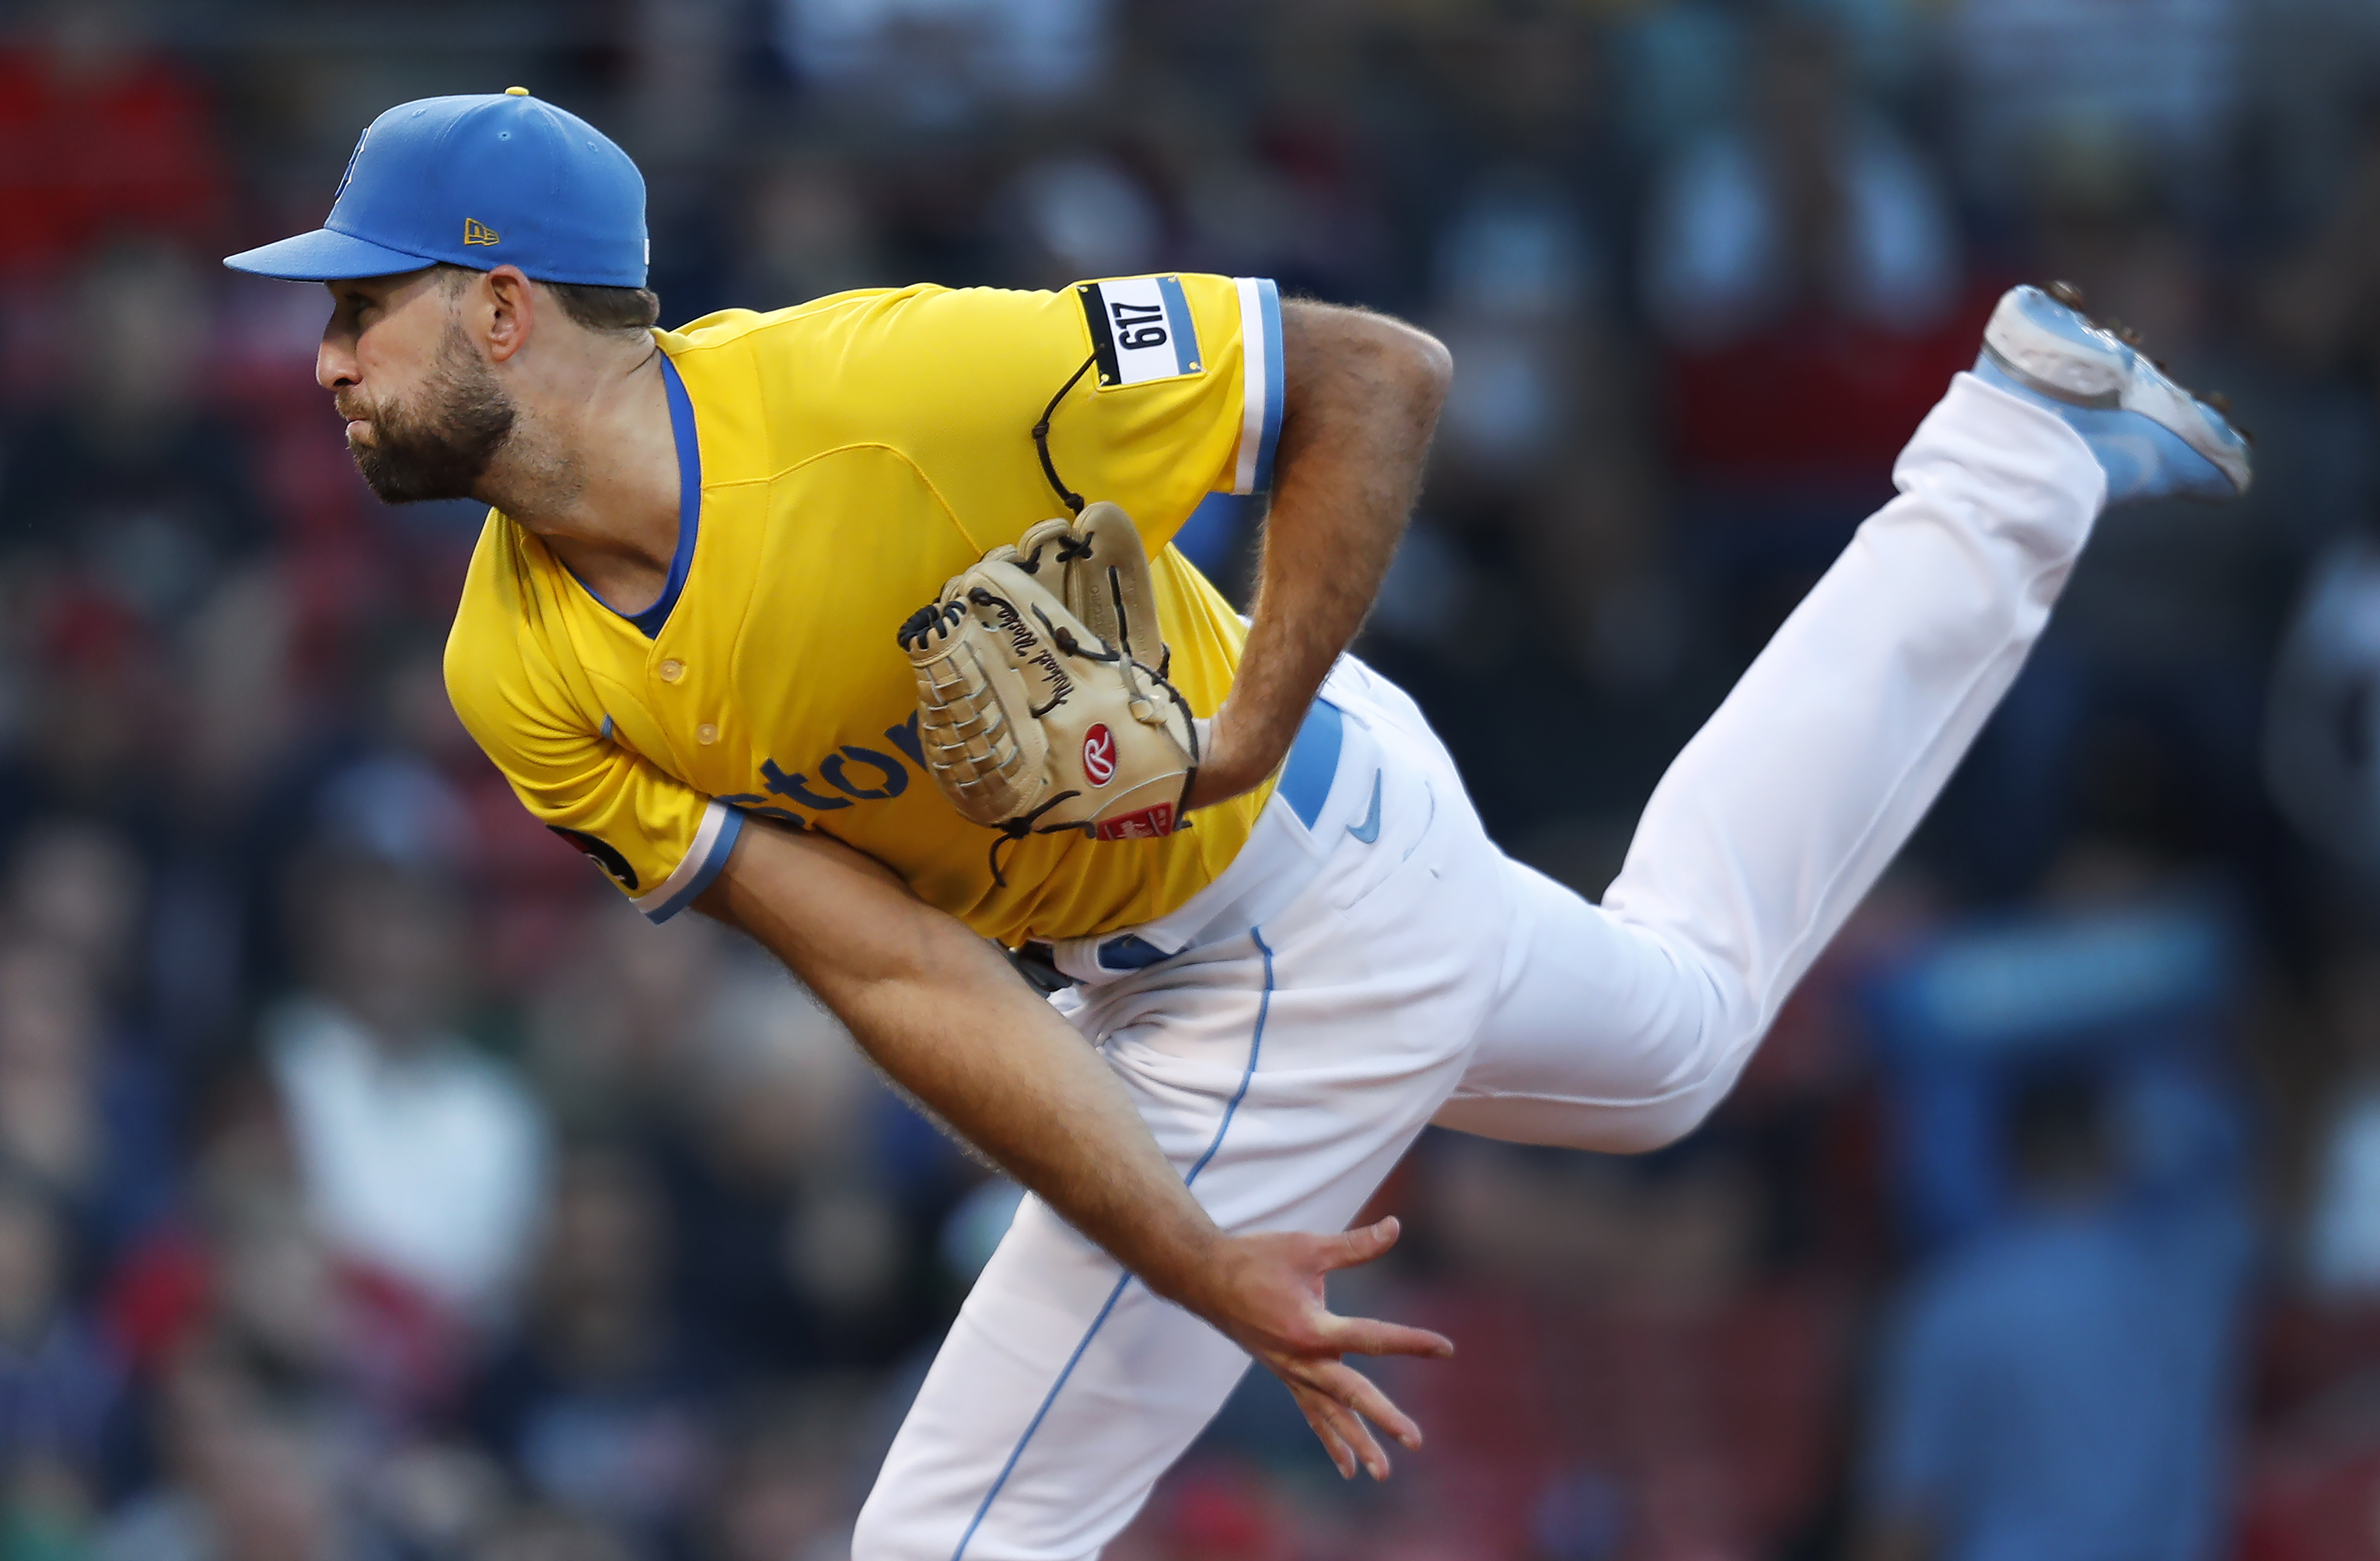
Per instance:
{"type": "Point", "coordinates": [1350, 1248]}
{"type": "Point", "coordinates": [1305, 1344]}
{"type": "Point", "coordinates": [1368, 1336]}
{"type": "Point", "coordinates": [1320, 1413]}
{"type": "Point", "coordinates": [1344, 1435]}
{"type": "Point", "coordinates": [1361, 1396]}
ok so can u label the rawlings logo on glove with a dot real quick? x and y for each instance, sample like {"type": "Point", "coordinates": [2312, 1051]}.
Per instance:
{"type": "Point", "coordinates": [1037, 710]}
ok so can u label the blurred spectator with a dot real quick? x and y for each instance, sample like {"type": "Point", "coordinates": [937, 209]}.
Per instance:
{"type": "Point", "coordinates": [809, 232]}
{"type": "Point", "coordinates": [2322, 305]}
{"type": "Point", "coordinates": [417, 1152]}
{"type": "Point", "coordinates": [2165, 73]}
{"type": "Point", "coordinates": [78, 891]}
{"type": "Point", "coordinates": [70, 994]}
{"type": "Point", "coordinates": [133, 480]}
{"type": "Point", "coordinates": [2059, 1387]}
{"type": "Point", "coordinates": [681, 56]}
{"type": "Point", "coordinates": [408, 787]}
{"type": "Point", "coordinates": [1807, 246]}
{"type": "Point", "coordinates": [397, 800]}
{"type": "Point", "coordinates": [2126, 964]}
{"type": "Point", "coordinates": [536, 1535]}
{"type": "Point", "coordinates": [1802, 267]}
{"type": "Point", "coordinates": [58, 1382]}
{"type": "Point", "coordinates": [250, 1484]}
{"type": "Point", "coordinates": [78, 1108]}
{"type": "Point", "coordinates": [598, 1402]}
{"type": "Point", "coordinates": [45, 1515]}
{"type": "Point", "coordinates": [615, 1027]}
{"type": "Point", "coordinates": [1082, 215]}
{"type": "Point", "coordinates": [2323, 710]}
{"type": "Point", "coordinates": [939, 61]}
{"type": "Point", "coordinates": [100, 138]}
{"type": "Point", "coordinates": [1292, 197]}
{"type": "Point", "coordinates": [1643, 1381]}
{"type": "Point", "coordinates": [789, 1483]}
{"type": "Point", "coordinates": [1518, 274]}
{"type": "Point", "coordinates": [49, 1042]}
{"type": "Point", "coordinates": [792, 1252]}
{"type": "Point", "coordinates": [244, 1277]}
{"type": "Point", "coordinates": [2343, 1225]}
{"type": "Point", "coordinates": [1814, 200]}
{"type": "Point", "coordinates": [1537, 428]}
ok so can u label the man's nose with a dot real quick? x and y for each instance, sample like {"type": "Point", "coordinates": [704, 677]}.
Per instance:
{"type": "Point", "coordinates": [334, 365]}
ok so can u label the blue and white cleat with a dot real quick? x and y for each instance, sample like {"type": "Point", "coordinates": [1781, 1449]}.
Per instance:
{"type": "Point", "coordinates": [2153, 438]}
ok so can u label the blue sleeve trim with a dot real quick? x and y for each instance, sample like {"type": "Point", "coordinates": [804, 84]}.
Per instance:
{"type": "Point", "coordinates": [1274, 393]}
{"type": "Point", "coordinates": [722, 845]}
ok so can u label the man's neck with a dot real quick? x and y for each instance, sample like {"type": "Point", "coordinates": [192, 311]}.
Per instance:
{"type": "Point", "coordinates": [594, 474]}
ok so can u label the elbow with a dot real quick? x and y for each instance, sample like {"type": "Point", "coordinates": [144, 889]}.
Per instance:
{"type": "Point", "coordinates": [1436, 365]}
{"type": "Point", "coordinates": [1419, 363]}
{"type": "Point", "coordinates": [1349, 358]}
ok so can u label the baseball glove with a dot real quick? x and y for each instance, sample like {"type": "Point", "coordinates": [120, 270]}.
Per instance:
{"type": "Point", "coordinates": [1041, 707]}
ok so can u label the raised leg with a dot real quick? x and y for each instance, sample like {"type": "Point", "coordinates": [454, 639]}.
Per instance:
{"type": "Point", "coordinates": [1621, 1025]}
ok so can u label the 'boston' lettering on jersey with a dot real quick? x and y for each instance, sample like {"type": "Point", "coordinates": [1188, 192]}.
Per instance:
{"type": "Point", "coordinates": [835, 770]}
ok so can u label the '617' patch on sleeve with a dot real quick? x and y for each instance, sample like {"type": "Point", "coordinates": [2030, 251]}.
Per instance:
{"type": "Point", "coordinates": [1141, 329]}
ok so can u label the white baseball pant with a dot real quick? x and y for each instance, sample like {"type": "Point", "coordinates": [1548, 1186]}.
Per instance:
{"type": "Point", "coordinates": [1289, 1055]}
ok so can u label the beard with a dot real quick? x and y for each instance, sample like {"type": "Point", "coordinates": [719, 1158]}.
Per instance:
{"type": "Point", "coordinates": [440, 447]}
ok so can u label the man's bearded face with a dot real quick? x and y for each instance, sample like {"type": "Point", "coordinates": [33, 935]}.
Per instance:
{"type": "Point", "coordinates": [439, 446]}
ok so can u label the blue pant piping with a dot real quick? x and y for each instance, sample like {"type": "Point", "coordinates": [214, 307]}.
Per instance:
{"type": "Point", "coordinates": [1256, 1048]}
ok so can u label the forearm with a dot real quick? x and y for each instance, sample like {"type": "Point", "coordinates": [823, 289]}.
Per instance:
{"type": "Point", "coordinates": [941, 1013]}
{"type": "Point", "coordinates": [994, 1061]}
{"type": "Point", "coordinates": [1361, 394]}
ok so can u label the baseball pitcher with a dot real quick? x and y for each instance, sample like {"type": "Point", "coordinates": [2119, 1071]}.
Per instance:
{"type": "Point", "coordinates": [855, 625]}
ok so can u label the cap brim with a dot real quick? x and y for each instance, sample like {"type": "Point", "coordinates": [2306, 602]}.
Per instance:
{"type": "Point", "coordinates": [325, 255]}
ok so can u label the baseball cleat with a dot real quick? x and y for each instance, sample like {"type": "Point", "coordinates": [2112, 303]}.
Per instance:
{"type": "Point", "coordinates": [2153, 438]}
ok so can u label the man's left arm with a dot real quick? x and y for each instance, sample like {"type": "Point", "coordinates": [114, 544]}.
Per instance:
{"type": "Point", "coordinates": [1361, 394]}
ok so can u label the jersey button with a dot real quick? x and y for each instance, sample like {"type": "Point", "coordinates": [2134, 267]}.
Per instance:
{"type": "Point", "coordinates": [706, 734]}
{"type": "Point", "coordinates": [672, 670]}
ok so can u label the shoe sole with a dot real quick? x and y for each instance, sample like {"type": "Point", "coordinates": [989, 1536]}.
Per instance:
{"type": "Point", "coordinates": [2054, 352]}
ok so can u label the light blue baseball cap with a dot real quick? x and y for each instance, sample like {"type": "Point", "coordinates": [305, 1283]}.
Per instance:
{"type": "Point", "coordinates": [481, 180]}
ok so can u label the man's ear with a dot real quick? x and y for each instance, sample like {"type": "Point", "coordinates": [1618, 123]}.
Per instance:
{"type": "Point", "coordinates": [511, 302]}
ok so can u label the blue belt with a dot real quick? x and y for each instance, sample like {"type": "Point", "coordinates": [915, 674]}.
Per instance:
{"type": "Point", "coordinates": [1305, 785]}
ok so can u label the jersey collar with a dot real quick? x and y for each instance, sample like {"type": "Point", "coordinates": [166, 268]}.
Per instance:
{"type": "Point", "coordinates": [689, 501]}
{"type": "Point", "coordinates": [689, 509]}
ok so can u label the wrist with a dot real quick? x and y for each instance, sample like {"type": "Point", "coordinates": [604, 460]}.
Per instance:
{"type": "Point", "coordinates": [1198, 1272]}
{"type": "Point", "coordinates": [1237, 753]}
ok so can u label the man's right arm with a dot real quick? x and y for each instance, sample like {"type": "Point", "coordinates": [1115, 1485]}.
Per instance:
{"type": "Point", "coordinates": [938, 1009]}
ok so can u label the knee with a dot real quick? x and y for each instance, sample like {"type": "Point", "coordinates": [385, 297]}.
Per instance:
{"type": "Point", "coordinates": [1660, 1124]}
{"type": "Point", "coordinates": [1729, 1031]}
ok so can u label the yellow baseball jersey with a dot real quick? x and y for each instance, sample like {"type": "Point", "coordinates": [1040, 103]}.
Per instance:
{"type": "Point", "coordinates": [839, 462]}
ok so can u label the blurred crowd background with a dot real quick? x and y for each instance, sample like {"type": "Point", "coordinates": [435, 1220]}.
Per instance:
{"type": "Point", "coordinates": [375, 1184]}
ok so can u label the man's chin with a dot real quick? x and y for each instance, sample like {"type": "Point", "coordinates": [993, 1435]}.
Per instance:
{"type": "Point", "coordinates": [397, 486]}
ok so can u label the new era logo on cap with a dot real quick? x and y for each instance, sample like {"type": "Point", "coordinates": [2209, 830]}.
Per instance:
{"type": "Point", "coordinates": [452, 180]}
